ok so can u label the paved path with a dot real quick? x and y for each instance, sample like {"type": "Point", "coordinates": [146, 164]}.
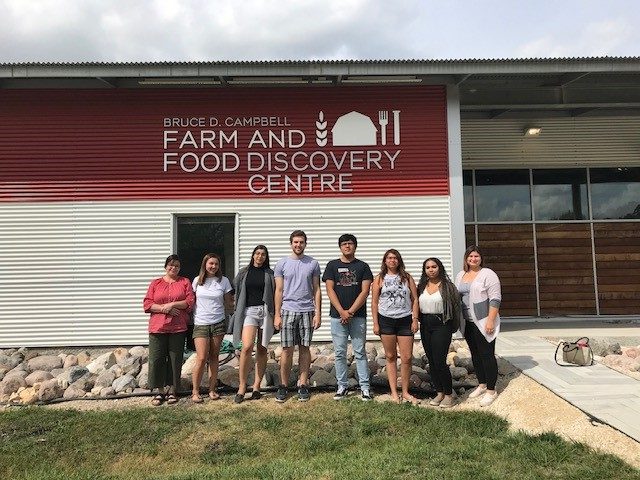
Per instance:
{"type": "Point", "coordinates": [599, 391]}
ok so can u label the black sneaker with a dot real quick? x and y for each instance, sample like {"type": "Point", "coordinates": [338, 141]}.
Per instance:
{"type": "Point", "coordinates": [303, 393]}
{"type": "Point", "coordinates": [239, 398]}
{"type": "Point", "coordinates": [256, 395]}
{"type": "Point", "coordinates": [281, 394]}
{"type": "Point", "coordinates": [341, 393]}
{"type": "Point", "coordinates": [366, 396]}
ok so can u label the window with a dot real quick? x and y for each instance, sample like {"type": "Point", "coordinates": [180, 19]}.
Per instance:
{"type": "Point", "coordinates": [615, 192]}
{"type": "Point", "coordinates": [503, 195]}
{"type": "Point", "coordinates": [560, 194]}
{"type": "Point", "coordinates": [467, 186]}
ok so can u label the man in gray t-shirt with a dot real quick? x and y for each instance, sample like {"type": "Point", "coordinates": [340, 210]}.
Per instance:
{"type": "Point", "coordinates": [297, 305]}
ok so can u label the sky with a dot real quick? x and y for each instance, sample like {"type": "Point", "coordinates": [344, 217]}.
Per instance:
{"type": "Point", "coordinates": [215, 30]}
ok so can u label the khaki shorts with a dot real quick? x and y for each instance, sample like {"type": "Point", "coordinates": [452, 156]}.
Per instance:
{"type": "Point", "coordinates": [209, 331]}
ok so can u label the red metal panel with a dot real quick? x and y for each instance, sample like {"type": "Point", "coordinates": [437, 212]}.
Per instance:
{"type": "Point", "coordinates": [111, 144]}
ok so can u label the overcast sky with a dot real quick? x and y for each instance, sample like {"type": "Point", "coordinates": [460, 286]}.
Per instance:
{"type": "Point", "coordinates": [209, 30]}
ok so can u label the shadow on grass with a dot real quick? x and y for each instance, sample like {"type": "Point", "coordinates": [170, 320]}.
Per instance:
{"type": "Point", "coordinates": [321, 440]}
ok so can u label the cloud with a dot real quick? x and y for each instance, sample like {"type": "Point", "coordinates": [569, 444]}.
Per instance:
{"type": "Point", "coordinates": [608, 37]}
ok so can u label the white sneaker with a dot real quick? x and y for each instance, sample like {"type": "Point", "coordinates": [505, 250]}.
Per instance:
{"type": "Point", "coordinates": [488, 399]}
{"type": "Point", "coordinates": [341, 393]}
{"type": "Point", "coordinates": [478, 391]}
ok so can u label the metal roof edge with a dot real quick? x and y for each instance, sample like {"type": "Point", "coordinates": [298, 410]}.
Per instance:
{"type": "Point", "coordinates": [319, 67]}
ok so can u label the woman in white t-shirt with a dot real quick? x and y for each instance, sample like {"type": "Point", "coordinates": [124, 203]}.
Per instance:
{"type": "Point", "coordinates": [213, 293]}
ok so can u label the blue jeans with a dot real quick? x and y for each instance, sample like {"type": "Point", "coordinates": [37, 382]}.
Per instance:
{"type": "Point", "coordinates": [357, 329]}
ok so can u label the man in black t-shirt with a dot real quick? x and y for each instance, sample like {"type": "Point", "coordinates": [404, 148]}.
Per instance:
{"type": "Point", "coordinates": [348, 281]}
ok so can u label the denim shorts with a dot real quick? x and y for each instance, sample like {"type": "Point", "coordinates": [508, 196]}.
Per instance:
{"type": "Point", "coordinates": [254, 316]}
{"type": "Point", "coordinates": [400, 327]}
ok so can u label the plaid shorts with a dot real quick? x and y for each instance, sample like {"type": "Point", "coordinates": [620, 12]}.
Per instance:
{"type": "Point", "coordinates": [297, 328]}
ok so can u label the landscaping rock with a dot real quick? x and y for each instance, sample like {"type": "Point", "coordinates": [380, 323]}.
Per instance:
{"type": "Point", "coordinates": [125, 382]}
{"type": "Point", "coordinates": [11, 384]}
{"type": "Point", "coordinates": [139, 351]}
{"type": "Point", "coordinates": [143, 376]}
{"type": "Point", "coordinates": [632, 352]}
{"type": "Point", "coordinates": [131, 365]}
{"type": "Point", "coordinates": [323, 379]}
{"type": "Point", "coordinates": [620, 361]}
{"type": "Point", "coordinates": [29, 395]}
{"type": "Point", "coordinates": [229, 377]}
{"type": "Point", "coordinates": [189, 364]}
{"type": "Point", "coordinates": [102, 363]}
{"type": "Point", "coordinates": [86, 382]}
{"type": "Point", "coordinates": [44, 362]}
{"type": "Point", "coordinates": [604, 347]}
{"type": "Point", "coordinates": [84, 358]}
{"type": "Point", "coordinates": [73, 375]}
{"type": "Point", "coordinates": [458, 373]}
{"type": "Point", "coordinates": [451, 358]}
{"type": "Point", "coordinates": [70, 361]}
{"type": "Point", "coordinates": [105, 379]}
{"type": "Point", "coordinates": [121, 354]}
{"type": "Point", "coordinates": [107, 392]}
{"type": "Point", "coordinates": [379, 380]}
{"type": "Point", "coordinates": [38, 376]}
{"type": "Point", "coordinates": [9, 362]}
{"type": "Point", "coordinates": [73, 391]}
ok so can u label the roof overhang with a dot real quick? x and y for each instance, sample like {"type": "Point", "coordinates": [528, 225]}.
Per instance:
{"type": "Point", "coordinates": [488, 88]}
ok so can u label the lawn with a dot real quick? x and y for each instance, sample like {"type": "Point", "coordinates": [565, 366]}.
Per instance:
{"type": "Point", "coordinates": [322, 439]}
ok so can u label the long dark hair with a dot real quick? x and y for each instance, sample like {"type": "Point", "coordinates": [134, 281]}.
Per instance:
{"type": "Point", "coordinates": [424, 279]}
{"type": "Point", "coordinates": [404, 276]}
{"type": "Point", "coordinates": [203, 268]}
{"type": "Point", "coordinates": [266, 261]}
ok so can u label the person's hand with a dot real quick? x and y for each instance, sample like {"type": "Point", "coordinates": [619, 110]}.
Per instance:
{"type": "Point", "coordinates": [174, 312]}
{"type": "Point", "coordinates": [345, 316]}
{"type": "Point", "coordinates": [490, 327]}
{"type": "Point", "coordinates": [376, 328]}
{"type": "Point", "coordinates": [277, 322]}
{"type": "Point", "coordinates": [414, 325]}
{"type": "Point", "coordinates": [166, 308]}
{"type": "Point", "coordinates": [316, 321]}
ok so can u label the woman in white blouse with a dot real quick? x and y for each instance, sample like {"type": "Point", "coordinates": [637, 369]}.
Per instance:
{"type": "Point", "coordinates": [439, 317]}
{"type": "Point", "coordinates": [481, 296]}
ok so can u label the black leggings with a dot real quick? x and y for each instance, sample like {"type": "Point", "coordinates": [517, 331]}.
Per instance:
{"type": "Point", "coordinates": [483, 355]}
{"type": "Point", "coordinates": [436, 338]}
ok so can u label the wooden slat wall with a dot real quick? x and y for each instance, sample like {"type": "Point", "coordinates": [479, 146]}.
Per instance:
{"type": "Point", "coordinates": [565, 269]}
{"type": "Point", "coordinates": [509, 251]}
{"type": "Point", "coordinates": [470, 235]}
{"type": "Point", "coordinates": [618, 267]}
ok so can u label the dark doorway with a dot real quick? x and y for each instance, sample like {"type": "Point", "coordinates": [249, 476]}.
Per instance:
{"type": "Point", "coordinates": [199, 235]}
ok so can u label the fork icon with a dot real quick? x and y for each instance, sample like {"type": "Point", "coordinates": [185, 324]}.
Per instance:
{"type": "Point", "coordinates": [383, 120]}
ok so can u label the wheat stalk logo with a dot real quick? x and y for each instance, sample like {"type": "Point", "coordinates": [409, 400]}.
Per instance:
{"type": "Point", "coordinates": [321, 130]}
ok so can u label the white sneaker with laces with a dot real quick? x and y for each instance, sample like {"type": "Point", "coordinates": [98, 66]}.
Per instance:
{"type": "Point", "coordinates": [341, 393]}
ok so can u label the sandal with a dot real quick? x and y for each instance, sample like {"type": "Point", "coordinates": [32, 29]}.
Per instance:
{"type": "Point", "coordinates": [172, 399]}
{"type": "Point", "coordinates": [214, 396]}
{"type": "Point", "coordinates": [411, 399]}
{"type": "Point", "coordinates": [196, 398]}
{"type": "Point", "coordinates": [256, 395]}
{"type": "Point", "coordinates": [157, 400]}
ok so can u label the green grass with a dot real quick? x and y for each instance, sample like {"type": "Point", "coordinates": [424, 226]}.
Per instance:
{"type": "Point", "coordinates": [320, 440]}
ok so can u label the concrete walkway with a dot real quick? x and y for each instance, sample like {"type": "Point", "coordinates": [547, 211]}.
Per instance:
{"type": "Point", "coordinates": [599, 391]}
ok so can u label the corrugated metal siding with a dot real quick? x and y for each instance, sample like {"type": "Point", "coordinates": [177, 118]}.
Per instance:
{"type": "Point", "coordinates": [564, 142]}
{"type": "Point", "coordinates": [74, 145]}
{"type": "Point", "coordinates": [75, 273]}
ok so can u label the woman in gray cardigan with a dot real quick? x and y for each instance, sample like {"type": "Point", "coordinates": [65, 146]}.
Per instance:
{"type": "Point", "coordinates": [255, 287]}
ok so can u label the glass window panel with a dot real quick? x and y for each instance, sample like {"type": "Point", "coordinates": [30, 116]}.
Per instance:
{"type": "Point", "coordinates": [615, 192]}
{"type": "Point", "coordinates": [467, 185]}
{"type": "Point", "coordinates": [560, 194]}
{"type": "Point", "coordinates": [503, 195]}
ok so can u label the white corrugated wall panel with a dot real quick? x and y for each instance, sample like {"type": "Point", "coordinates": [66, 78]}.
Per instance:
{"type": "Point", "coordinates": [564, 142]}
{"type": "Point", "coordinates": [76, 273]}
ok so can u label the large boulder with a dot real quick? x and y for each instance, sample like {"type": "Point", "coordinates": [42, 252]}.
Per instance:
{"type": "Point", "coordinates": [11, 384]}
{"type": "Point", "coordinates": [123, 383]}
{"type": "Point", "coordinates": [84, 358]}
{"type": "Point", "coordinates": [121, 354]}
{"type": "Point", "coordinates": [139, 351]}
{"type": "Point", "coordinates": [143, 376]}
{"type": "Point", "coordinates": [9, 362]}
{"type": "Point", "coordinates": [73, 375]}
{"type": "Point", "coordinates": [603, 347]}
{"type": "Point", "coordinates": [458, 373]}
{"type": "Point", "coordinates": [229, 377]}
{"type": "Point", "coordinates": [50, 390]}
{"type": "Point", "coordinates": [323, 379]}
{"type": "Point", "coordinates": [102, 363]}
{"type": "Point", "coordinates": [105, 379]}
{"type": "Point", "coordinates": [29, 395]}
{"type": "Point", "coordinates": [70, 361]}
{"type": "Point", "coordinates": [72, 391]}
{"type": "Point", "coordinates": [44, 362]}
{"type": "Point", "coordinates": [131, 365]}
{"type": "Point", "coordinates": [38, 376]}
